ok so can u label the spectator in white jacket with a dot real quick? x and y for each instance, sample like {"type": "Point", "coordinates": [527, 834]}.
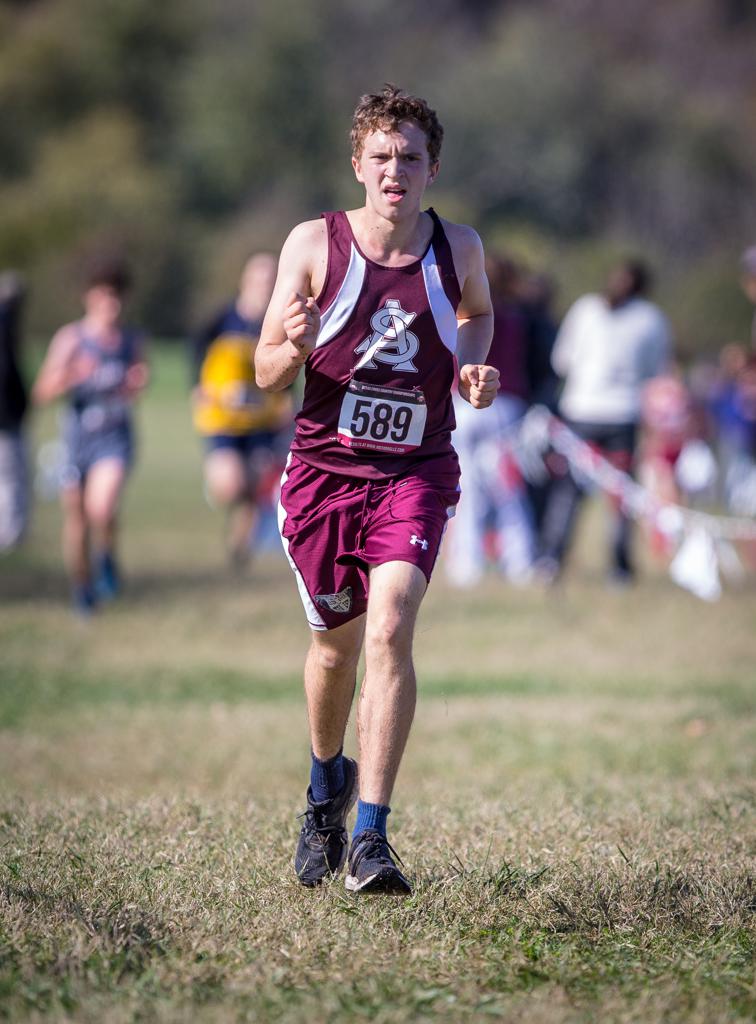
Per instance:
{"type": "Point", "coordinates": [608, 346]}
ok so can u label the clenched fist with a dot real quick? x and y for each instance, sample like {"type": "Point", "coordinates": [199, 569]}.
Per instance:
{"type": "Point", "coordinates": [478, 384]}
{"type": "Point", "coordinates": [302, 322]}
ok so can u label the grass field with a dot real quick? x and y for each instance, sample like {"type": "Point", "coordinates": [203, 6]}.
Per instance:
{"type": "Point", "coordinates": [576, 804]}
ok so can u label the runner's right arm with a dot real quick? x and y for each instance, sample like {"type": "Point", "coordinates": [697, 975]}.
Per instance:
{"type": "Point", "coordinates": [61, 369]}
{"type": "Point", "coordinates": [292, 322]}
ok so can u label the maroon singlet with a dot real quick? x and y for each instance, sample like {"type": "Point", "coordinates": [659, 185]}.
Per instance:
{"type": "Point", "coordinates": [377, 400]}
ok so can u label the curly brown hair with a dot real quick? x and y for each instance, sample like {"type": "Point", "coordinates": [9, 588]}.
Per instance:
{"type": "Point", "coordinates": [109, 271]}
{"type": "Point", "coordinates": [386, 110]}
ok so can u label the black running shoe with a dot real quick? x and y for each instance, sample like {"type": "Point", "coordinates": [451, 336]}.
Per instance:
{"type": "Point", "coordinates": [372, 868]}
{"type": "Point", "coordinates": [322, 846]}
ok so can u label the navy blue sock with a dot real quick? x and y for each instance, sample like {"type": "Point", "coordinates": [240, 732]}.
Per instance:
{"type": "Point", "coordinates": [370, 816]}
{"type": "Point", "coordinates": [327, 777]}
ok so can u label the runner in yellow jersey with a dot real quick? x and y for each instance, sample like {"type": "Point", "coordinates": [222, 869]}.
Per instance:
{"type": "Point", "coordinates": [238, 421]}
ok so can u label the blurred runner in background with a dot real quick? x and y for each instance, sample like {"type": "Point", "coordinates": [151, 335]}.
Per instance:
{"type": "Point", "coordinates": [241, 425]}
{"type": "Point", "coordinates": [98, 364]}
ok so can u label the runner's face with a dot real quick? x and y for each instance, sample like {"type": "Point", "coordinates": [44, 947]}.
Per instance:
{"type": "Point", "coordinates": [395, 169]}
{"type": "Point", "coordinates": [104, 303]}
{"type": "Point", "coordinates": [258, 278]}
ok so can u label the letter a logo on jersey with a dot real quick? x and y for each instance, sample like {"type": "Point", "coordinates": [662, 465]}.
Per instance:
{"type": "Point", "coordinates": [390, 341]}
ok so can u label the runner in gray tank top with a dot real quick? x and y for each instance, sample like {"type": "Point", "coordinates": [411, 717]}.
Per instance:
{"type": "Point", "coordinates": [379, 305]}
{"type": "Point", "coordinates": [98, 365]}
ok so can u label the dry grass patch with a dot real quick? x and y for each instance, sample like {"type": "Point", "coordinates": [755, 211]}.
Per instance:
{"type": "Point", "coordinates": [576, 804]}
{"type": "Point", "coordinates": [571, 876]}
{"type": "Point", "coordinates": [192, 907]}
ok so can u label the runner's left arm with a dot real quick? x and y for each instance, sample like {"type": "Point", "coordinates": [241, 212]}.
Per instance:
{"type": "Point", "coordinates": [138, 372]}
{"type": "Point", "coordinates": [478, 382]}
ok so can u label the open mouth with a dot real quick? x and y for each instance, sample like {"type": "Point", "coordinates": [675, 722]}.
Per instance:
{"type": "Point", "coordinates": [394, 193]}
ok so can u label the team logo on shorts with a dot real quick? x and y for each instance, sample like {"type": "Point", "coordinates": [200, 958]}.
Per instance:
{"type": "Point", "coordinates": [390, 341]}
{"type": "Point", "coordinates": [341, 602]}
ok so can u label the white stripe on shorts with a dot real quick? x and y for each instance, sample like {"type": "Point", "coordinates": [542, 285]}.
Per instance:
{"type": "Point", "coordinates": [314, 618]}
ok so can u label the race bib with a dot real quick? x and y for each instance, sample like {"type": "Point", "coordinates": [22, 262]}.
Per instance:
{"type": "Point", "coordinates": [382, 419]}
{"type": "Point", "coordinates": [105, 415]}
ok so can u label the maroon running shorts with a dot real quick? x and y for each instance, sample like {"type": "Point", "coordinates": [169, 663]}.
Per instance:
{"type": "Point", "coordinates": [335, 528]}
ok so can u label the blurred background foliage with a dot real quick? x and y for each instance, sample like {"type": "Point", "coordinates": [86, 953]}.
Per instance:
{"type": "Point", "coordinates": [190, 133]}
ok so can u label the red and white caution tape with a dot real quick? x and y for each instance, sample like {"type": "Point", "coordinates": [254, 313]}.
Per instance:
{"type": "Point", "coordinates": [703, 540]}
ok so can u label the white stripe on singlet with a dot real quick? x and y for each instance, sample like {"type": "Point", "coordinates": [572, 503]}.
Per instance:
{"type": "Point", "coordinates": [342, 307]}
{"type": "Point", "coordinates": [442, 309]}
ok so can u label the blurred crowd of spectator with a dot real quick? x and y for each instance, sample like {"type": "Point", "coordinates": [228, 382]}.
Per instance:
{"type": "Point", "coordinates": [608, 370]}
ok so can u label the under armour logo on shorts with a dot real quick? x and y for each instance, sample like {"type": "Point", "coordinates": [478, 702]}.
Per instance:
{"type": "Point", "coordinates": [341, 602]}
{"type": "Point", "coordinates": [414, 539]}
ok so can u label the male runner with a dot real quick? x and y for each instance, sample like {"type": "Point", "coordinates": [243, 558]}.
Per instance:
{"type": "Point", "coordinates": [375, 303]}
{"type": "Point", "coordinates": [98, 364]}
{"type": "Point", "coordinates": [239, 424]}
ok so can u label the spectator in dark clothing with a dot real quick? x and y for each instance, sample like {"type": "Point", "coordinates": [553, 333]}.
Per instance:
{"type": "Point", "coordinates": [494, 506]}
{"type": "Point", "coordinates": [14, 500]}
{"type": "Point", "coordinates": [537, 296]}
{"type": "Point", "coordinates": [748, 281]}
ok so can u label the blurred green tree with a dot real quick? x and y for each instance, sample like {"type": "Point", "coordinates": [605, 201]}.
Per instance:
{"type": "Point", "coordinates": [191, 134]}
